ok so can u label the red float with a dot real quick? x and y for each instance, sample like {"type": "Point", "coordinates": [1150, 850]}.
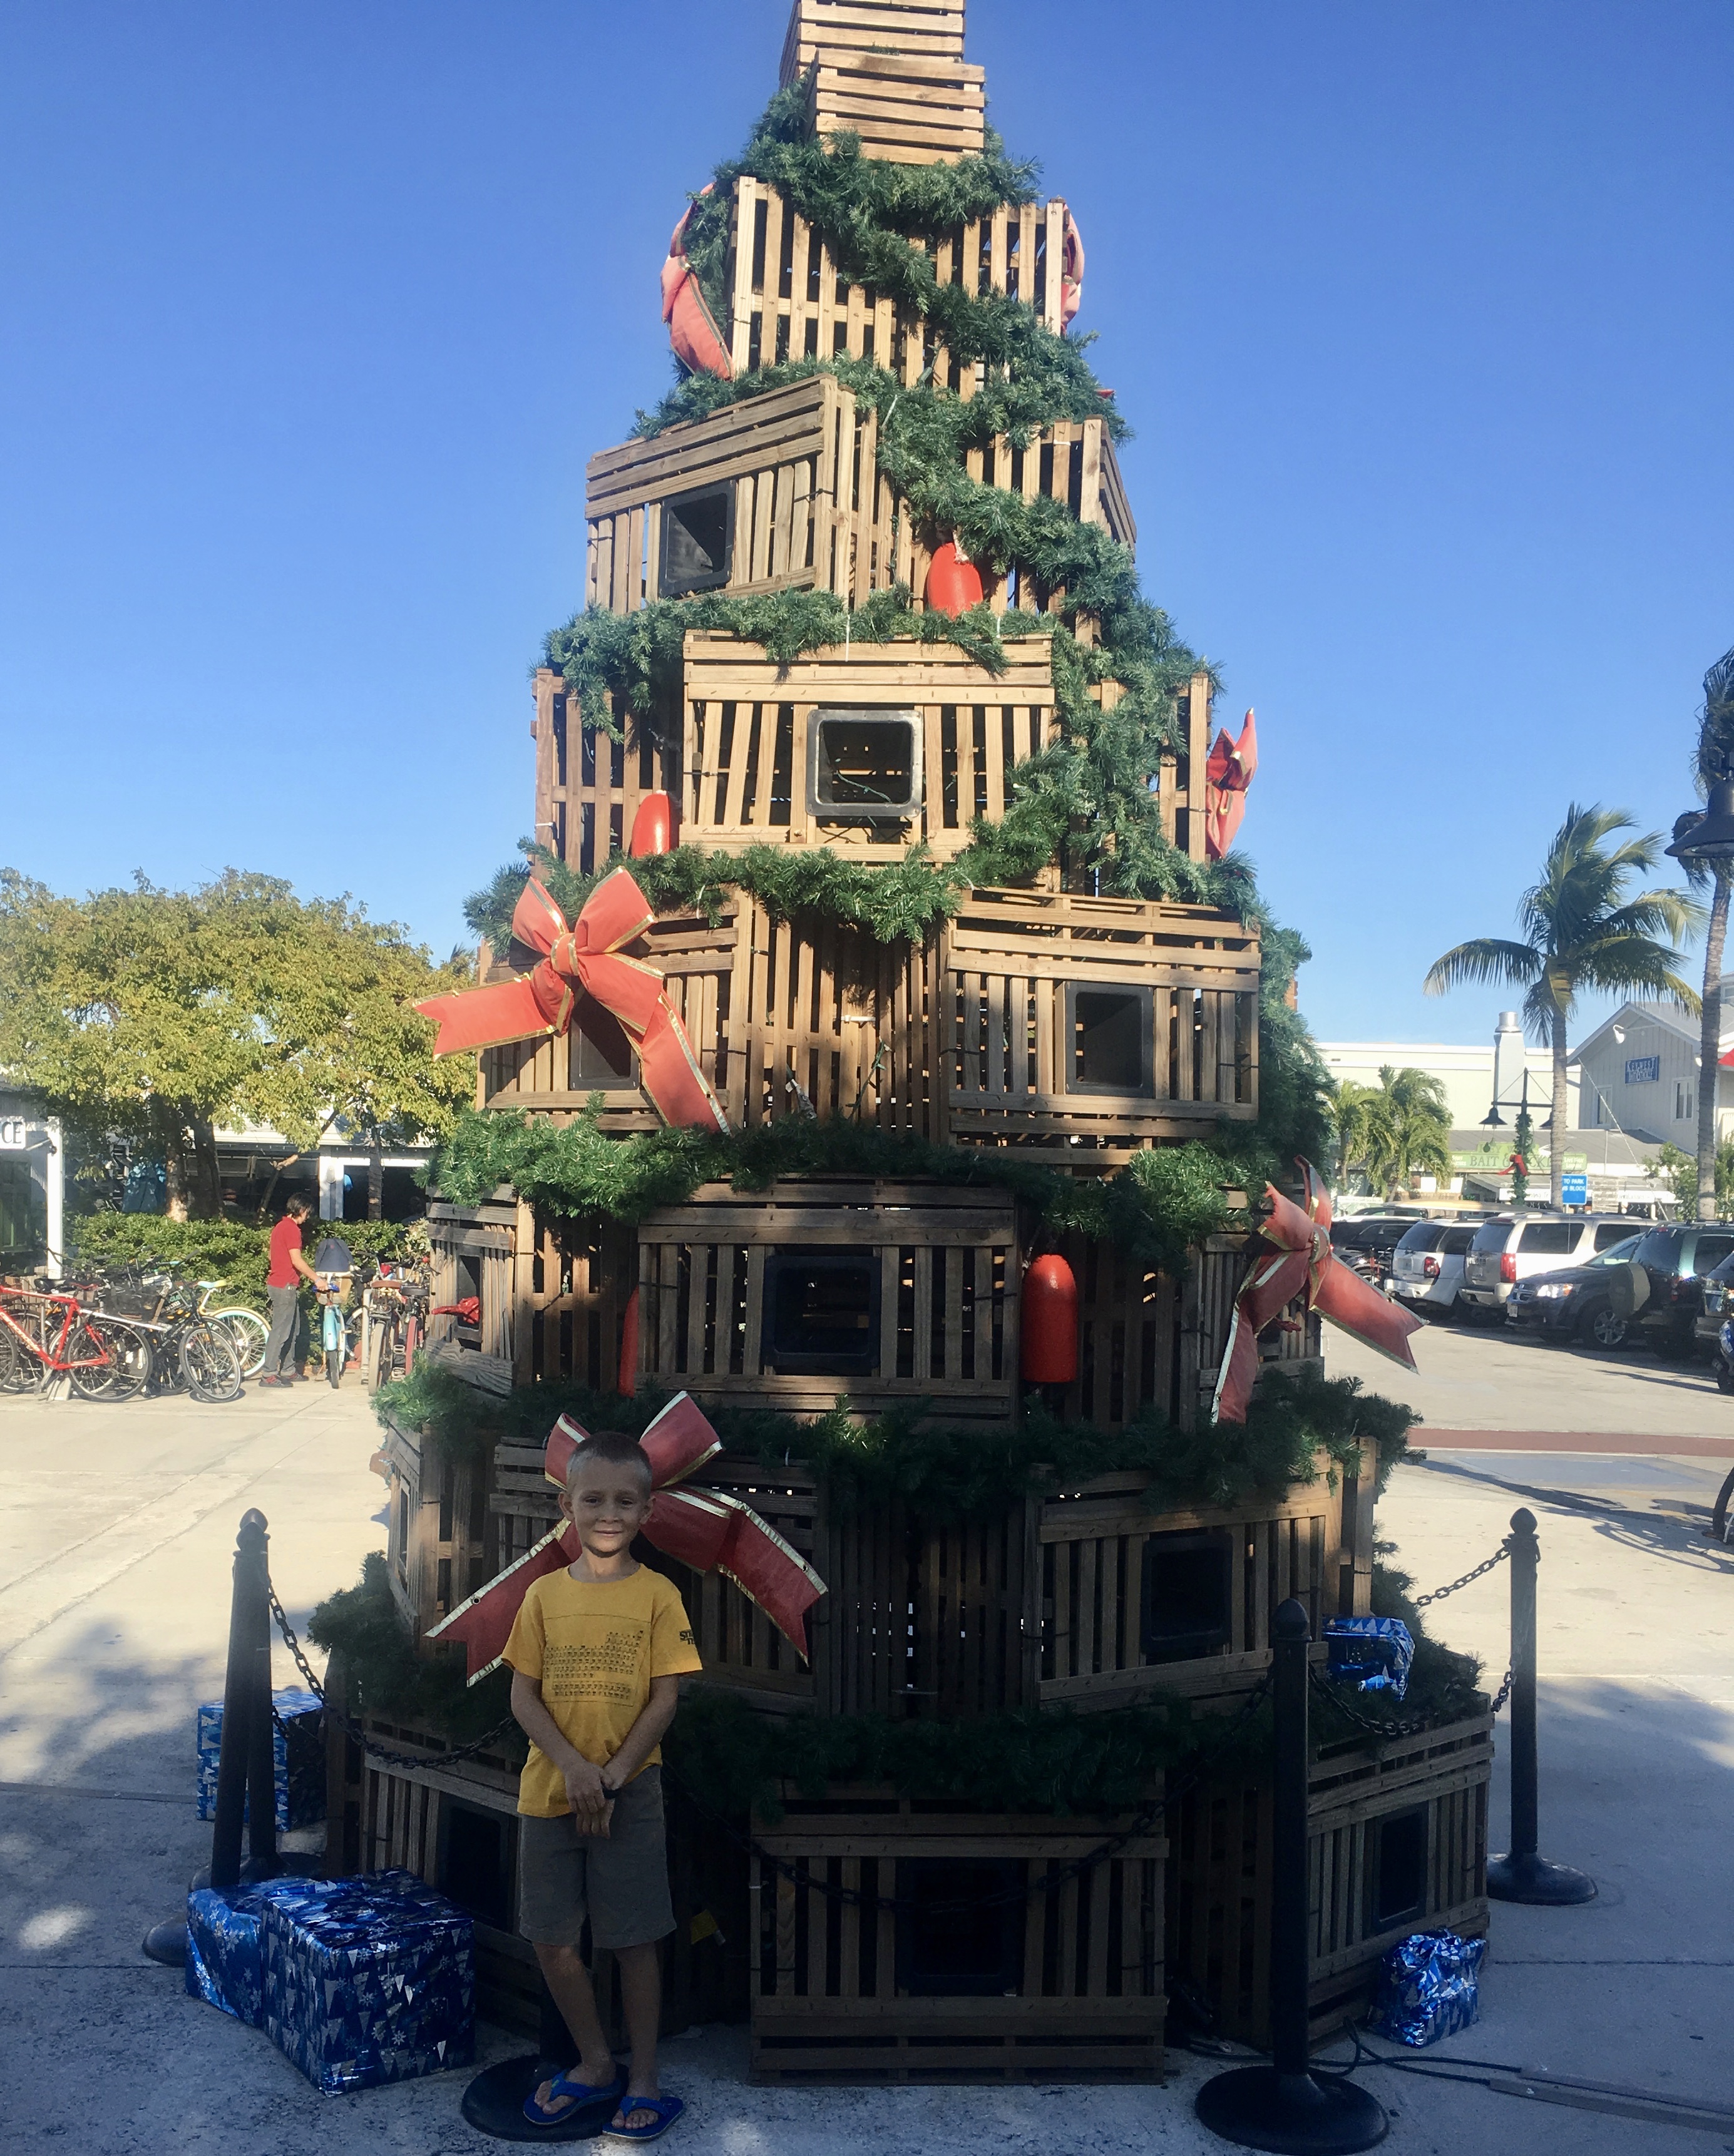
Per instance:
{"type": "Point", "coordinates": [1047, 1323]}
{"type": "Point", "coordinates": [953, 582]}
{"type": "Point", "coordinates": [652, 826]}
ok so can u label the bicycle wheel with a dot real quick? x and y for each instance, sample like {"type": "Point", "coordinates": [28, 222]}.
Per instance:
{"type": "Point", "coordinates": [133, 1358]}
{"type": "Point", "coordinates": [209, 1362]}
{"type": "Point", "coordinates": [381, 1342]}
{"type": "Point", "coordinates": [1719, 1518]}
{"type": "Point", "coordinates": [250, 1334]}
{"type": "Point", "coordinates": [94, 1362]}
{"type": "Point", "coordinates": [18, 1367]}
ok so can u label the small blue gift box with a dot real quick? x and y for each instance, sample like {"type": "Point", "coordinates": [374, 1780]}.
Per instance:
{"type": "Point", "coordinates": [1429, 1987]}
{"type": "Point", "coordinates": [299, 1755]}
{"type": "Point", "coordinates": [1371, 1652]}
{"type": "Point", "coordinates": [368, 1979]}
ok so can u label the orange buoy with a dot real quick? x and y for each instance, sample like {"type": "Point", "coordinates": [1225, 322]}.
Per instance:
{"type": "Point", "coordinates": [1048, 1322]}
{"type": "Point", "coordinates": [652, 826]}
{"type": "Point", "coordinates": [953, 582]}
{"type": "Point", "coordinates": [627, 1383]}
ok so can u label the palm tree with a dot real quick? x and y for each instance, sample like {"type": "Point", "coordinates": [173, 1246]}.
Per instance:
{"type": "Point", "coordinates": [1396, 1131]}
{"type": "Point", "coordinates": [1712, 759]}
{"type": "Point", "coordinates": [1580, 931]}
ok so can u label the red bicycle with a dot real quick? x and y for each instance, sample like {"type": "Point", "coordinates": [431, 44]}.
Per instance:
{"type": "Point", "coordinates": [44, 1336]}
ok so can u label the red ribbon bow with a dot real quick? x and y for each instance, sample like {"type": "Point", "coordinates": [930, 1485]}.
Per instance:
{"type": "Point", "coordinates": [1303, 1262]}
{"type": "Point", "coordinates": [707, 1529]}
{"type": "Point", "coordinates": [586, 958]}
{"type": "Point", "coordinates": [1228, 771]}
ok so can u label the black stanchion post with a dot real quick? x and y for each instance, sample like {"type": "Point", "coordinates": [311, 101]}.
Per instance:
{"type": "Point", "coordinates": [246, 1775]}
{"type": "Point", "coordinates": [1284, 2106]}
{"type": "Point", "coordinates": [1521, 1875]}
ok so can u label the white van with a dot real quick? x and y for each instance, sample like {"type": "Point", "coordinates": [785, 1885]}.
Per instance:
{"type": "Point", "coordinates": [1427, 1267]}
{"type": "Point", "coordinates": [1518, 1245]}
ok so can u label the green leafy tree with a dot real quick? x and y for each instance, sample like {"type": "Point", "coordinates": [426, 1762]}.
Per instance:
{"type": "Point", "coordinates": [1680, 1171]}
{"type": "Point", "coordinates": [158, 1015]}
{"type": "Point", "coordinates": [1712, 760]}
{"type": "Point", "coordinates": [1395, 1130]}
{"type": "Point", "coordinates": [1580, 932]}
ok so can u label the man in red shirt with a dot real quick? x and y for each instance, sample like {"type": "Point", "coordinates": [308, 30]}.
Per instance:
{"type": "Point", "coordinates": [288, 1267]}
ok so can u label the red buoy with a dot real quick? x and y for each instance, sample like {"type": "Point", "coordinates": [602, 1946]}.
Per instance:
{"type": "Point", "coordinates": [627, 1383]}
{"type": "Point", "coordinates": [953, 582]}
{"type": "Point", "coordinates": [652, 826]}
{"type": "Point", "coordinates": [1048, 1322]}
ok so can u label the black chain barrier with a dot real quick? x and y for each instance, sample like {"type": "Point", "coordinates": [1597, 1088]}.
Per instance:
{"type": "Point", "coordinates": [486, 1743]}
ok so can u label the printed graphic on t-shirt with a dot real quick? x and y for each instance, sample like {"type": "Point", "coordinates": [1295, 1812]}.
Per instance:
{"type": "Point", "coordinates": [604, 1668]}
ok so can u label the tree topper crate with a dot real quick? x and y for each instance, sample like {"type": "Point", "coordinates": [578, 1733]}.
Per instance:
{"type": "Point", "coordinates": [1016, 1958]}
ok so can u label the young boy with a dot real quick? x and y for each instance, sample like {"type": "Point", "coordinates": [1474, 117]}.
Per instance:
{"type": "Point", "coordinates": [597, 1654]}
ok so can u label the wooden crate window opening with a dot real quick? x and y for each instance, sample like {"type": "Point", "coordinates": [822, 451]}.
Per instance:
{"type": "Point", "coordinates": [963, 1935]}
{"type": "Point", "coordinates": [600, 1058]}
{"type": "Point", "coordinates": [477, 1861]}
{"type": "Point", "coordinates": [697, 541]}
{"type": "Point", "coordinates": [1112, 1035]}
{"type": "Point", "coordinates": [1397, 1877]}
{"type": "Point", "coordinates": [1188, 1595]}
{"type": "Point", "coordinates": [822, 1312]}
{"type": "Point", "coordinates": [864, 765]}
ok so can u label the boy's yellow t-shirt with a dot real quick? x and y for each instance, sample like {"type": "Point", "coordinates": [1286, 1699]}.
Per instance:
{"type": "Point", "coordinates": [595, 1645]}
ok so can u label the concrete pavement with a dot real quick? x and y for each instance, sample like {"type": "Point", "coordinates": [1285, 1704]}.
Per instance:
{"type": "Point", "coordinates": [116, 1530]}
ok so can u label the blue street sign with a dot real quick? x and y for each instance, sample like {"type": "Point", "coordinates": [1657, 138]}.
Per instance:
{"type": "Point", "coordinates": [1574, 1189]}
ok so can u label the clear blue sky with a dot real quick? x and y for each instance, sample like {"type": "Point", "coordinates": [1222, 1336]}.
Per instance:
{"type": "Point", "coordinates": [312, 314]}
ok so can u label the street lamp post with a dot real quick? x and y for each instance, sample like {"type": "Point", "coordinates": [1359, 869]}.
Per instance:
{"type": "Point", "coordinates": [1525, 1135]}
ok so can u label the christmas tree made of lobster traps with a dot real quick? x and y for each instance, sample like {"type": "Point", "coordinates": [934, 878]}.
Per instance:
{"type": "Point", "coordinates": [870, 1071]}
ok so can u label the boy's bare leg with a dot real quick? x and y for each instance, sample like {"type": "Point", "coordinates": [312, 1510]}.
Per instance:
{"type": "Point", "coordinates": [569, 1981]}
{"type": "Point", "coordinates": [641, 1998]}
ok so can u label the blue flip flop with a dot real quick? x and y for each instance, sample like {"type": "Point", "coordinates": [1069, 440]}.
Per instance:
{"type": "Point", "coordinates": [572, 2095]}
{"type": "Point", "coordinates": [667, 2108]}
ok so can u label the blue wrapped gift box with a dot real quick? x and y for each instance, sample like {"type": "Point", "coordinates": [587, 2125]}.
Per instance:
{"type": "Point", "coordinates": [226, 1960]}
{"type": "Point", "coordinates": [1371, 1652]}
{"type": "Point", "coordinates": [368, 1980]}
{"type": "Point", "coordinates": [298, 1758]}
{"type": "Point", "coordinates": [1429, 1987]}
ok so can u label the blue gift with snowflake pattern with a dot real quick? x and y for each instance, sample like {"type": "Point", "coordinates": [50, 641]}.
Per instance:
{"type": "Point", "coordinates": [1371, 1652]}
{"type": "Point", "coordinates": [225, 1964]}
{"type": "Point", "coordinates": [297, 1756]}
{"type": "Point", "coordinates": [1429, 1987]}
{"type": "Point", "coordinates": [368, 1980]}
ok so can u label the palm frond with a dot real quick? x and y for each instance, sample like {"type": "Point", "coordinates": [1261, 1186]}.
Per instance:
{"type": "Point", "coordinates": [1484, 958]}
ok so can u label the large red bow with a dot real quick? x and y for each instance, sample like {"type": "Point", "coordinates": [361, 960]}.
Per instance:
{"type": "Point", "coordinates": [707, 1529]}
{"type": "Point", "coordinates": [586, 957]}
{"type": "Point", "coordinates": [1303, 1262]}
{"type": "Point", "coordinates": [1228, 771]}
{"type": "Point", "coordinates": [692, 328]}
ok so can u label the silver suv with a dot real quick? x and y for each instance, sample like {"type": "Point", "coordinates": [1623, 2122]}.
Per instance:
{"type": "Point", "coordinates": [1516, 1246]}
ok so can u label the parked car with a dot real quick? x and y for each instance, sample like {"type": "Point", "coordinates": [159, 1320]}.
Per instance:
{"type": "Point", "coordinates": [1427, 1267]}
{"type": "Point", "coordinates": [1663, 1289]}
{"type": "Point", "coordinates": [1367, 1240]}
{"type": "Point", "coordinates": [1576, 1302]}
{"type": "Point", "coordinates": [1518, 1246]}
{"type": "Point", "coordinates": [1713, 1332]}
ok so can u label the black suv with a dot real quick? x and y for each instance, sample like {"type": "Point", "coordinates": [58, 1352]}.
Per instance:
{"type": "Point", "coordinates": [1665, 1281]}
{"type": "Point", "coordinates": [1367, 1241]}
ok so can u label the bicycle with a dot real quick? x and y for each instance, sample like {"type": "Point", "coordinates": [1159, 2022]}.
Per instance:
{"type": "Point", "coordinates": [339, 1331]}
{"type": "Point", "coordinates": [396, 1305]}
{"type": "Point", "coordinates": [178, 1345]}
{"type": "Point", "coordinates": [97, 1365]}
{"type": "Point", "coordinates": [247, 1327]}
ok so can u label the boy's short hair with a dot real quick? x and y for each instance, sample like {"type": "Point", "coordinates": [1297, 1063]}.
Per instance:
{"type": "Point", "coordinates": [609, 1448]}
{"type": "Point", "coordinates": [298, 1206]}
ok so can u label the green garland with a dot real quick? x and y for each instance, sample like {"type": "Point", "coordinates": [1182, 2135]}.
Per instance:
{"type": "Point", "coordinates": [955, 1471]}
{"type": "Point", "coordinates": [1162, 1201]}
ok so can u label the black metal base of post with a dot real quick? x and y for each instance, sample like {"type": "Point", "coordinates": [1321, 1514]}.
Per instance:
{"type": "Point", "coordinates": [167, 1944]}
{"type": "Point", "coordinates": [1292, 2114]}
{"type": "Point", "coordinates": [1533, 1879]}
{"type": "Point", "coordinates": [494, 2103]}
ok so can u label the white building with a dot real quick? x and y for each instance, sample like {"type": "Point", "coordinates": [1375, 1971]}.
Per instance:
{"type": "Point", "coordinates": [1639, 1073]}
{"type": "Point", "coordinates": [1466, 1072]}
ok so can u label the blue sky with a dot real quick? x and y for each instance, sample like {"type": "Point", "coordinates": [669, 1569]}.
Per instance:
{"type": "Point", "coordinates": [312, 314]}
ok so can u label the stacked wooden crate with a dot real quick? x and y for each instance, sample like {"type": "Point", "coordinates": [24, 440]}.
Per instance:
{"type": "Point", "coordinates": [892, 73]}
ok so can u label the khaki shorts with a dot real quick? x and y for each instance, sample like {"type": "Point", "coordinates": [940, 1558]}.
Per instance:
{"type": "Point", "coordinates": [618, 1880]}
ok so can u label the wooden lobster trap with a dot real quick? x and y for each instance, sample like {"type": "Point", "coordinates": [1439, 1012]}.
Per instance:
{"type": "Point", "coordinates": [924, 29]}
{"type": "Point", "coordinates": [1014, 1949]}
{"type": "Point", "coordinates": [1133, 1602]}
{"type": "Point", "coordinates": [1069, 1021]}
{"type": "Point", "coordinates": [866, 747]}
{"type": "Point", "coordinates": [886, 1292]}
{"type": "Point", "coordinates": [442, 1542]}
{"type": "Point", "coordinates": [1397, 1843]}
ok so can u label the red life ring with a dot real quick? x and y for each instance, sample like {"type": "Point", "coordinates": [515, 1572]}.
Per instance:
{"type": "Point", "coordinates": [953, 582]}
{"type": "Point", "coordinates": [692, 330]}
{"type": "Point", "coordinates": [1071, 271]}
{"type": "Point", "coordinates": [1047, 1327]}
{"type": "Point", "coordinates": [652, 826]}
